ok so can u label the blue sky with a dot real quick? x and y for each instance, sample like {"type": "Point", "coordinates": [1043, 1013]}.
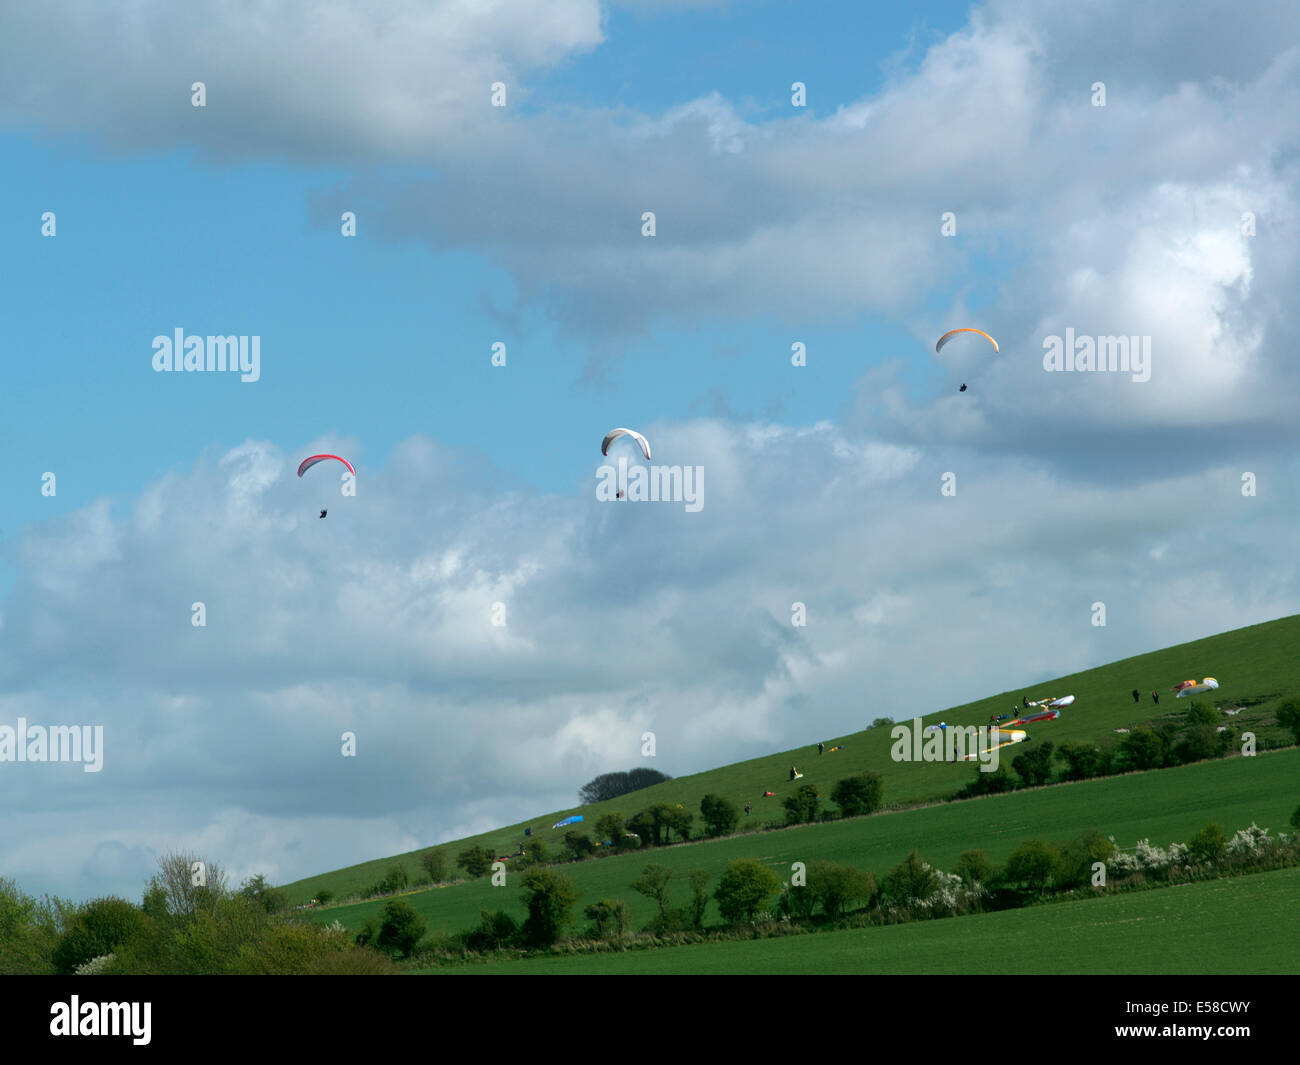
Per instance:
{"type": "Point", "coordinates": [475, 484]}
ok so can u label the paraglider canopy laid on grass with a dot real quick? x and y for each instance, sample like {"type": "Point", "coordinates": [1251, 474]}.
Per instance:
{"type": "Point", "coordinates": [614, 434]}
{"type": "Point", "coordinates": [568, 821]}
{"type": "Point", "coordinates": [1190, 687]}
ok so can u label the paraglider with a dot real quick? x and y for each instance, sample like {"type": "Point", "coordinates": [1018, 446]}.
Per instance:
{"type": "Point", "coordinates": [614, 434]}
{"type": "Point", "coordinates": [308, 463]}
{"type": "Point", "coordinates": [953, 332]}
{"type": "Point", "coordinates": [323, 513]}
{"type": "Point", "coordinates": [568, 821]}
{"type": "Point", "coordinates": [1190, 687]}
{"type": "Point", "coordinates": [1006, 738]}
{"type": "Point", "coordinates": [962, 389]}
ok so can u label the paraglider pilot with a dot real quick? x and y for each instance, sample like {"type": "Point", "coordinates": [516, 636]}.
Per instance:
{"type": "Point", "coordinates": [323, 513]}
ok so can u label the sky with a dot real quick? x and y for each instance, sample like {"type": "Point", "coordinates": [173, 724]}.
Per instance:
{"type": "Point", "coordinates": [492, 631]}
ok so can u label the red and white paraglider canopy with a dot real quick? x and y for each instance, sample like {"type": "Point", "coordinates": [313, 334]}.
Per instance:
{"type": "Point", "coordinates": [308, 463]}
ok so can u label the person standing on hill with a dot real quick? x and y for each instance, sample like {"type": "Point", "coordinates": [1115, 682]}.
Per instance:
{"type": "Point", "coordinates": [1156, 698]}
{"type": "Point", "coordinates": [748, 806]}
{"type": "Point", "coordinates": [1137, 698]}
{"type": "Point", "coordinates": [821, 748]}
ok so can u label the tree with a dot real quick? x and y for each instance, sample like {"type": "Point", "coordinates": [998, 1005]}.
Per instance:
{"type": "Point", "coordinates": [1081, 759]}
{"type": "Point", "coordinates": [859, 794]}
{"type": "Point", "coordinates": [496, 929]}
{"type": "Point", "coordinates": [612, 785]}
{"type": "Point", "coordinates": [1035, 766]}
{"type": "Point", "coordinates": [802, 805]}
{"type": "Point", "coordinates": [974, 867]}
{"type": "Point", "coordinates": [434, 863]}
{"type": "Point", "coordinates": [1079, 856]}
{"type": "Point", "coordinates": [400, 928]}
{"type": "Point", "coordinates": [257, 889]}
{"type": "Point", "coordinates": [699, 897]}
{"type": "Point", "coordinates": [839, 887]}
{"type": "Point", "coordinates": [608, 918]}
{"type": "Point", "coordinates": [744, 889]}
{"type": "Point", "coordinates": [186, 886]}
{"type": "Point", "coordinates": [654, 884]}
{"type": "Point", "coordinates": [577, 845]}
{"type": "Point", "coordinates": [1198, 743]}
{"type": "Point", "coordinates": [99, 927]}
{"type": "Point", "coordinates": [1035, 864]}
{"type": "Point", "coordinates": [549, 897]}
{"type": "Point", "coordinates": [720, 815]}
{"type": "Point", "coordinates": [677, 818]}
{"type": "Point", "coordinates": [610, 828]}
{"type": "Point", "coordinates": [1209, 844]}
{"type": "Point", "coordinates": [882, 722]}
{"type": "Point", "coordinates": [1142, 749]}
{"type": "Point", "coordinates": [911, 879]}
{"type": "Point", "coordinates": [1288, 716]}
{"type": "Point", "coordinates": [394, 880]}
{"type": "Point", "coordinates": [476, 861]}
{"type": "Point", "coordinates": [1201, 714]}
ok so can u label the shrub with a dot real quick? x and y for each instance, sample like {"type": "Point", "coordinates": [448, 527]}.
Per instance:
{"type": "Point", "coordinates": [1078, 857]}
{"type": "Point", "coordinates": [577, 845]}
{"type": "Point", "coordinates": [324, 895]}
{"type": "Point", "coordinates": [744, 889]}
{"type": "Point", "coordinates": [654, 884]}
{"type": "Point", "coordinates": [882, 722]}
{"type": "Point", "coordinates": [1200, 714]}
{"type": "Point", "coordinates": [611, 828]}
{"type": "Point", "coordinates": [1288, 716]}
{"type": "Point", "coordinates": [549, 897]}
{"type": "Point", "coordinates": [476, 861]}
{"type": "Point", "coordinates": [400, 928]}
{"type": "Point", "coordinates": [434, 863]}
{"type": "Point", "coordinates": [1082, 760]}
{"type": "Point", "coordinates": [699, 897]}
{"type": "Point", "coordinates": [258, 890]}
{"type": "Point", "coordinates": [608, 918]}
{"type": "Point", "coordinates": [496, 929]}
{"type": "Point", "coordinates": [1035, 864]}
{"type": "Point", "coordinates": [802, 805]}
{"type": "Point", "coordinates": [838, 888]}
{"type": "Point", "coordinates": [99, 927]}
{"type": "Point", "coordinates": [860, 794]}
{"type": "Point", "coordinates": [1142, 749]}
{"type": "Point", "coordinates": [912, 879]}
{"type": "Point", "coordinates": [1209, 844]}
{"type": "Point", "coordinates": [974, 867]}
{"type": "Point", "coordinates": [720, 815]}
{"type": "Point", "coordinates": [1035, 766]}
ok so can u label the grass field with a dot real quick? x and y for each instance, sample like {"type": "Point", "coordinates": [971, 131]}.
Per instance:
{"type": "Point", "coordinates": [1163, 805]}
{"type": "Point", "coordinates": [1247, 924]}
{"type": "Point", "coordinates": [1255, 667]}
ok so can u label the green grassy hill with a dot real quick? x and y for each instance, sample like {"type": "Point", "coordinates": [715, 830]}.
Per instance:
{"type": "Point", "coordinates": [1164, 805]}
{"type": "Point", "coordinates": [1256, 667]}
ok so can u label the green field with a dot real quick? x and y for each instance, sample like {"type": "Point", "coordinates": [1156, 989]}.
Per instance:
{"type": "Point", "coordinates": [1163, 805]}
{"type": "Point", "coordinates": [1255, 667]}
{"type": "Point", "coordinates": [1247, 924]}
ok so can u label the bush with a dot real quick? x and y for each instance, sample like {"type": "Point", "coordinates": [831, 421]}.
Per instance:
{"type": "Point", "coordinates": [654, 884]}
{"type": "Point", "coordinates": [882, 722]}
{"type": "Point", "coordinates": [612, 829]}
{"type": "Point", "coordinates": [270, 899]}
{"type": "Point", "coordinates": [476, 861]}
{"type": "Point", "coordinates": [324, 895]}
{"type": "Point", "coordinates": [802, 805]}
{"type": "Point", "coordinates": [1288, 716]}
{"type": "Point", "coordinates": [1198, 743]}
{"type": "Point", "coordinates": [1142, 749]}
{"type": "Point", "coordinates": [97, 928]}
{"type": "Point", "coordinates": [577, 845]}
{"type": "Point", "coordinates": [549, 897]}
{"type": "Point", "coordinates": [1082, 760]}
{"type": "Point", "coordinates": [434, 863]}
{"type": "Point", "coordinates": [1034, 865]}
{"type": "Point", "coordinates": [699, 897]}
{"type": "Point", "coordinates": [860, 794]}
{"type": "Point", "coordinates": [744, 889]}
{"type": "Point", "coordinates": [608, 918]}
{"type": "Point", "coordinates": [994, 783]}
{"type": "Point", "coordinates": [908, 881]}
{"type": "Point", "coordinates": [1209, 844]}
{"type": "Point", "coordinates": [1035, 766]}
{"type": "Point", "coordinates": [720, 815]}
{"type": "Point", "coordinates": [400, 928]}
{"type": "Point", "coordinates": [974, 867]}
{"type": "Point", "coordinates": [1079, 856]}
{"type": "Point", "coordinates": [838, 888]}
{"type": "Point", "coordinates": [1200, 714]}
{"type": "Point", "coordinates": [496, 929]}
